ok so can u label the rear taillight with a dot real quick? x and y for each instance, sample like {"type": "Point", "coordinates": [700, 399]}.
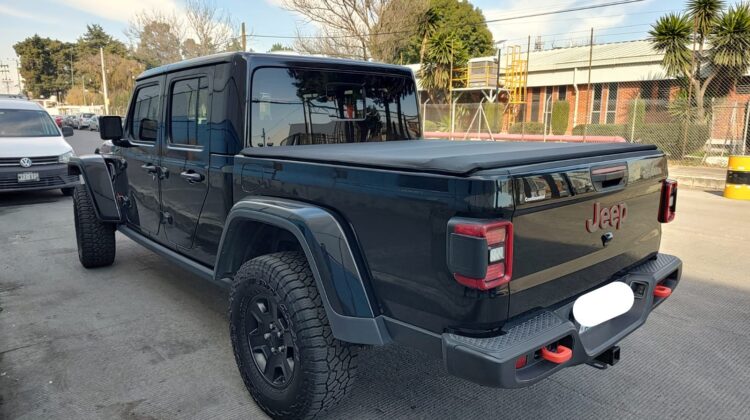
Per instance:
{"type": "Point", "coordinates": [480, 252]}
{"type": "Point", "coordinates": [668, 204]}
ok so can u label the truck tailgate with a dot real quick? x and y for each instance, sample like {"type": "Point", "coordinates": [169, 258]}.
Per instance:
{"type": "Point", "coordinates": [576, 226]}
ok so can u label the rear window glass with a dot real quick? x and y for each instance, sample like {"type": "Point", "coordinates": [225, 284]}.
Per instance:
{"type": "Point", "coordinates": [296, 107]}
{"type": "Point", "coordinates": [26, 123]}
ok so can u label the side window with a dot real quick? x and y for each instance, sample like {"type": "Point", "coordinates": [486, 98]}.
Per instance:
{"type": "Point", "coordinates": [188, 120]}
{"type": "Point", "coordinates": [145, 120]}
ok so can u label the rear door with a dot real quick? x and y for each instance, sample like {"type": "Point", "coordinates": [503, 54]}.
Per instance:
{"type": "Point", "coordinates": [143, 130]}
{"type": "Point", "coordinates": [185, 153]}
{"type": "Point", "coordinates": [577, 226]}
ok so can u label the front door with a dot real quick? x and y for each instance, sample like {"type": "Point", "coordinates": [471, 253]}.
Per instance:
{"type": "Point", "coordinates": [143, 129]}
{"type": "Point", "coordinates": [185, 153]}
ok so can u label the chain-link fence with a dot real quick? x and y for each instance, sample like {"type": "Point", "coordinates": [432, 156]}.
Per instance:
{"type": "Point", "coordinates": [599, 92]}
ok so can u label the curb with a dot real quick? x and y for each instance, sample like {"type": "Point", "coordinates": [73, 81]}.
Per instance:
{"type": "Point", "coordinates": [700, 183]}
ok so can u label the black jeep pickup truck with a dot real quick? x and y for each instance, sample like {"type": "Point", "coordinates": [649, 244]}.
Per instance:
{"type": "Point", "coordinates": [304, 186]}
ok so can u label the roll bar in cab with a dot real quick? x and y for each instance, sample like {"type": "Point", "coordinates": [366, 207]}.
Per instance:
{"type": "Point", "coordinates": [304, 186]}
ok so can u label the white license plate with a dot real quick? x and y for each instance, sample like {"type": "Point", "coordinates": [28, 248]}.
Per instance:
{"type": "Point", "coordinates": [28, 176]}
{"type": "Point", "coordinates": [603, 304]}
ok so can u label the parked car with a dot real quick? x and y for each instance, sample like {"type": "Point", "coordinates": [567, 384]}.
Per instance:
{"type": "Point", "coordinates": [335, 225]}
{"type": "Point", "coordinates": [69, 120]}
{"type": "Point", "coordinates": [81, 121]}
{"type": "Point", "coordinates": [93, 123]}
{"type": "Point", "coordinates": [58, 120]}
{"type": "Point", "coordinates": [33, 152]}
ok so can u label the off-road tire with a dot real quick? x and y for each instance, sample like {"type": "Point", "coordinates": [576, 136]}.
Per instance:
{"type": "Point", "coordinates": [96, 239]}
{"type": "Point", "coordinates": [67, 191]}
{"type": "Point", "coordinates": [325, 368]}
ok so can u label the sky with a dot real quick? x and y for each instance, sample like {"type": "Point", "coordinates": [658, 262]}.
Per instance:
{"type": "Point", "coordinates": [66, 20]}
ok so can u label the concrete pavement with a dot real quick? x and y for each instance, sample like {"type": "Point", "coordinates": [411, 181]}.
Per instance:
{"type": "Point", "coordinates": [143, 339]}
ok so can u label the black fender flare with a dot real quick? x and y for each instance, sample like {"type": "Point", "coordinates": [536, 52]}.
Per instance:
{"type": "Point", "coordinates": [97, 180]}
{"type": "Point", "coordinates": [351, 313]}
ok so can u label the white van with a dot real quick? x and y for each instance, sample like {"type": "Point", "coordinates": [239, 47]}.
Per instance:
{"type": "Point", "coordinates": [33, 152]}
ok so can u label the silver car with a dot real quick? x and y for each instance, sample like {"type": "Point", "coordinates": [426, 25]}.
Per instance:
{"type": "Point", "coordinates": [94, 123]}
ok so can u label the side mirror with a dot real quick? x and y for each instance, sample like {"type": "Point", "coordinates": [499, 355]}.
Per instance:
{"type": "Point", "coordinates": [67, 131]}
{"type": "Point", "coordinates": [110, 127]}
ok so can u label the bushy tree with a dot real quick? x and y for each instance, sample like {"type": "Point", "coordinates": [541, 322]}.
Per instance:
{"type": "Point", "coordinates": [45, 65]}
{"type": "Point", "coordinates": [559, 117]}
{"type": "Point", "coordinates": [457, 19]}
{"type": "Point", "coordinates": [722, 37]}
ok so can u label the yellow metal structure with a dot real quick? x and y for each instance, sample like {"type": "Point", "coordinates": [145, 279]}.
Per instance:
{"type": "Point", "coordinates": [738, 178]}
{"type": "Point", "coordinates": [516, 70]}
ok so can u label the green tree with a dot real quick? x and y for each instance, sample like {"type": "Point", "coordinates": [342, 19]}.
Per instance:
{"type": "Point", "coordinates": [280, 47]}
{"type": "Point", "coordinates": [443, 51]}
{"type": "Point", "coordinates": [45, 65]}
{"type": "Point", "coordinates": [454, 18]}
{"type": "Point", "coordinates": [559, 117]}
{"type": "Point", "coordinates": [722, 37]}
{"type": "Point", "coordinates": [95, 37]}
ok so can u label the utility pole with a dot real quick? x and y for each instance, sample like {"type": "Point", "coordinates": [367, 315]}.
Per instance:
{"type": "Point", "coordinates": [588, 88]}
{"type": "Point", "coordinates": [18, 76]}
{"type": "Point", "coordinates": [71, 69]}
{"type": "Point", "coordinates": [244, 38]}
{"type": "Point", "coordinates": [4, 72]}
{"type": "Point", "coordinates": [104, 82]}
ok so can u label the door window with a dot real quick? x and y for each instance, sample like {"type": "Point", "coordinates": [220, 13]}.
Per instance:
{"type": "Point", "coordinates": [188, 122]}
{"type": "Point", "coordinates": [145, 121]}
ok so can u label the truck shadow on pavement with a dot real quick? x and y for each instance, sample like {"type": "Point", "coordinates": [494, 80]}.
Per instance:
{"type": "Point", "coordinates": [24, 198]}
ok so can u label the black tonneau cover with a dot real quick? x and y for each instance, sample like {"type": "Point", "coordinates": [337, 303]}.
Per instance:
{"type": "Point", "coordinates": [442, 156]}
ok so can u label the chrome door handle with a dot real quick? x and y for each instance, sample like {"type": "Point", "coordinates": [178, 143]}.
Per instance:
{"type": "Point", "coordinates": [192, 177]}
{"type": "Point", "coordinates": [149, 168]}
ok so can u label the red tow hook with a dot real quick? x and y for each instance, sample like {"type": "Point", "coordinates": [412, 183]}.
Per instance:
{"type": "Point", "coordinates": [662, 291]}
{"type": "Point", "coordinates": [559, 356]}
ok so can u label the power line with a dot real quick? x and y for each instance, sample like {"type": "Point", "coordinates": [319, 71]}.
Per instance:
{"type": "Point", "coordinates": [486, 21]}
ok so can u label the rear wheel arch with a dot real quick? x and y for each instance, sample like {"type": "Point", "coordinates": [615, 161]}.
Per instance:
{"type": "Point", "coordinates": [251, 230]}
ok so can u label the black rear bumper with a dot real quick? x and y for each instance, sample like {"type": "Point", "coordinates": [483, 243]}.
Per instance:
{"type": "Point", "coordinates": [492, 361]}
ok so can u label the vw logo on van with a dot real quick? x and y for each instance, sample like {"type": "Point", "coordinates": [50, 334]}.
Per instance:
{"type": "Point", "coordinates": [25, 162]}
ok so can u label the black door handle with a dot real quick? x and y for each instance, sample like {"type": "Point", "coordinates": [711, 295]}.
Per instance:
{"type": "Point", "coordinates": [192, 177]}
{"type": "Point", "coordinates": [150, 168]}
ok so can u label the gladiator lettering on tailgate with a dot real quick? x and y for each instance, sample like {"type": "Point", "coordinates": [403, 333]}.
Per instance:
{"type": "Point", "coordinates": [607, 217]}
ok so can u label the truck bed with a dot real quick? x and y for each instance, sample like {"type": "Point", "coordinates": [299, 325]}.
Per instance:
{"type": "Point", "coordinates": [442, 156]}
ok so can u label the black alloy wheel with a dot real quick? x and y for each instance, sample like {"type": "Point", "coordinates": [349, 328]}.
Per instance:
{"type": "Point", "coordinates": [270, 340]}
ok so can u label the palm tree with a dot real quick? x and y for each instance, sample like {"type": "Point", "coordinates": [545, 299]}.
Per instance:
{"type": "Point", "coordinates": [428, 24]}
{"type": "Point", "coordinates": [706, 24]}
{"type": "Point", "coordinates": [442, 52]}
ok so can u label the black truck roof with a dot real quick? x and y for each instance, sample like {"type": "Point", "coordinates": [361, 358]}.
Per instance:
{"type": "Point", "coordinates": [442, 156]}
{"type": "Point", "coordinates": [282, 60]}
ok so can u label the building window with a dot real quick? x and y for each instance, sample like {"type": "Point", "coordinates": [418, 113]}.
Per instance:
{"type": "Point", "coordinates": [562, 93]}
{"type": "Point", "coordinates": [612, 103]}
{"type": "Point", "coordinates": [596, 105]}
{"type": "Point", "coordinates": [521, 114]}
{"type": "Point", "coordinates": [535, 93]}
{"type": "Point", "coordinates": [548, 104]}
{"type": "Point", "coordinates": [647, 89]}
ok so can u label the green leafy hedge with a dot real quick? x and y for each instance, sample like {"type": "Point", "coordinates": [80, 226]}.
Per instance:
{"type": "Point", "coordinates": [601, 130]}
{"type": "Point", "coordinates": [560, 113]}
{"type": "Point", "coordinates": [526, 128]}
{"type": "Point", "coordinates": [669, 137]}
